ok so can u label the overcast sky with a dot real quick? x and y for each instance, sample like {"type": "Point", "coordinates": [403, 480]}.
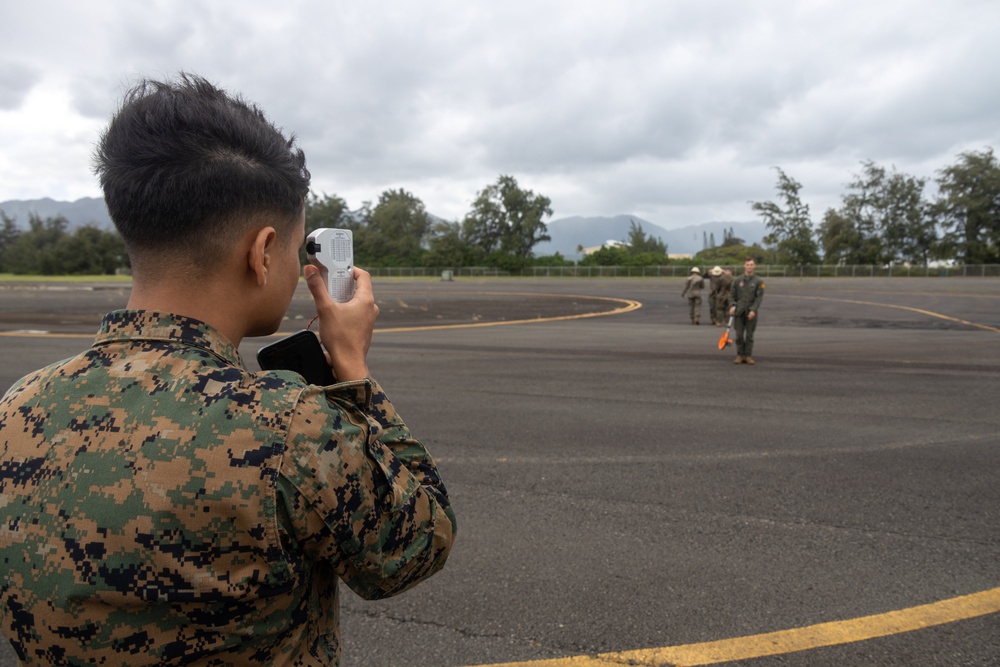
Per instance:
{"type": "Point", "coordinates": [676, 111]}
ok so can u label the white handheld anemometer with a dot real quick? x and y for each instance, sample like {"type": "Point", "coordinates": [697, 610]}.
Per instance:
{"type": "Point", "coordinates": [332, 252]}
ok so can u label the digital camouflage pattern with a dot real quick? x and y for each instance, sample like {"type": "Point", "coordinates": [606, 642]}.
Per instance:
{"type": "Point", "coordinates": [159, 504]}
{"type": "Point", "coordinates": [724, 288]}
{"type": "Point", "coordinates": [692, 290]}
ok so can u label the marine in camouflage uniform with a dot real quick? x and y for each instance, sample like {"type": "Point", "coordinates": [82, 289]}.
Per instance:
{"type": "Point", "coordinates": [747, 293]}
{"type": "Point", "coordinates": [714, 310]}
{"type": "Point", "coordinates": [724, 289]}
{"type": "Point", "coordinates": [692, 290]}
{"type": "Point", "coordinates": [163, 505]}
{"type": "Point", "coordinates": [159, 503]}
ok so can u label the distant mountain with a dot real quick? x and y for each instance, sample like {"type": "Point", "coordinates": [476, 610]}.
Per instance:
{"type": "Point", "coordinates": [87, 211]}
{"type": "Point", "coordinates": [570, 233]}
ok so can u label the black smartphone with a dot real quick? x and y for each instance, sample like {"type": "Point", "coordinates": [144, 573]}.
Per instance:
{"type": "Point", "coordinates": [300, 352]}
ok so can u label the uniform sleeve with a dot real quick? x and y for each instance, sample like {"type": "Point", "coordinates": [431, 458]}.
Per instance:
{"type": "Point", "coordinates": [758, 297]}
{"type": "Point", "coordinates": [369, 497]}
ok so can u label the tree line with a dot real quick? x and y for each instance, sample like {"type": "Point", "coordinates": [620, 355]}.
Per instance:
{"type": "Point", "coordinates": [48, 248]}
{"type": "Point", "coordinates": [501, 230]}
{"type": "Point", "coordinates": [885, 217]}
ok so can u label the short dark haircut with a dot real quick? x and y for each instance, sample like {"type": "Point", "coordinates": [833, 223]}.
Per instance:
{"type": "Point", "coordinates": [183, 162]}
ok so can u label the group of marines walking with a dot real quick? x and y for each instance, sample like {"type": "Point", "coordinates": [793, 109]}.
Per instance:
{"type": "Point", "coordinates": [739, 297]}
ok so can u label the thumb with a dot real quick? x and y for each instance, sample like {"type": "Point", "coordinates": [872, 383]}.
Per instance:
{"type": "Point", "coordinates": [315, 282]}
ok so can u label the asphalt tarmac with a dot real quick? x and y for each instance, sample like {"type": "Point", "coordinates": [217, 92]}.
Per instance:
{"type": "Point", "coordinates": [621, 487]}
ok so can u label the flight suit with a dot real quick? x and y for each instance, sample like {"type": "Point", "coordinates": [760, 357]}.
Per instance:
{"type": "Point", "coordinates": [746, 295]}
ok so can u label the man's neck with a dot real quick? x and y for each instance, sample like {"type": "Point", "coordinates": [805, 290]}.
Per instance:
{"type": "Point", "coordinates": [206, 301]}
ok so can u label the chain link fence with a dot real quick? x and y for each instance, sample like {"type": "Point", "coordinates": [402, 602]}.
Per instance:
{"type": "Point", "coordinates": [678, 270]}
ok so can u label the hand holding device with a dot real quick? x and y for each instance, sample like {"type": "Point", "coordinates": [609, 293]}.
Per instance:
{"type": "Point", "coordinates": [345, 328]}
{"type": "Point", "coordinates": [332, 252]}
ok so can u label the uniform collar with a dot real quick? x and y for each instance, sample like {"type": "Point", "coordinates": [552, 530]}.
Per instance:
{"type": "Point", "coordinates": [147, 325]}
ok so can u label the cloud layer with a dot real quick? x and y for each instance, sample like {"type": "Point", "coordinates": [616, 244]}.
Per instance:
{"type": "Point", "coordinates": [676, 112]}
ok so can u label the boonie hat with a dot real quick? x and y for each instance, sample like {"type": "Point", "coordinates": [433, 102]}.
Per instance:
{"type": "Point", "coordinates": [696, 270]}
{"type": "Point", "coordinates": [716, 271]}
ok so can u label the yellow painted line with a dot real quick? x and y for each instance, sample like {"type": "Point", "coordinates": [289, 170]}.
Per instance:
{"type": "Point", "coordinates": [628, 305]}
{"type": "Point", "coordinates": [790, 641]}
{"type": "Point", "coordinates": [930, 313]}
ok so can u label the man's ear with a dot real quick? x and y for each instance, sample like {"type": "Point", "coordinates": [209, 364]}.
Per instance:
{"type": "Point", "coordinates": [262, 245]}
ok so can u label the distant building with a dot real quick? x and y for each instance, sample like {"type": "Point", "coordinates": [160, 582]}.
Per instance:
{"type": "Point", "coordinates": [610, 243]}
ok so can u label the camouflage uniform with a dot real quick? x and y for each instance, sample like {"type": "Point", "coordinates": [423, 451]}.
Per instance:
{"type": "Point", "coordinates": [161, 505]}
{"type": "Point", "coordinates": [724, 288]}
{"type": "Point", "coordinates": [746, 295]}
{"type": "Point", "coordinates": [692, 290]}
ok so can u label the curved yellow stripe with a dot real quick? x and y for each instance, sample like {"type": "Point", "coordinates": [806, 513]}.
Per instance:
{"type": "Point", "coordinates": [790, 641]}
{"type": "Point", "coordinates": [628, 305]}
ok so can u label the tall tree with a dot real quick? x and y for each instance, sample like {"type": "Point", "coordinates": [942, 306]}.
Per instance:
{"type": "Point", "coordinates": [729, 238]}
{"type": "Point", "coordinates": [396, 230]}
{"type": "Point", "coordinates": [790, 231]}
{"type": "Point", "coordinates": [639, 242]}
{"type": "Point", "coordinates": [861, 208]}
{"type": "Point", "coordinates": [507, 219]}
{"type": "Point", "coordinates": [445, 247]}
{"type": "Point", "coordinates": [968, 207]}
{"type": "Point", "coordinates": [887, 215]}
{"type": "Point", "coordinates": [8, 235]}
{"type": "Point", "coordinates": [839, 238]}
{"type": "Point", "coordinates": [908, 227]}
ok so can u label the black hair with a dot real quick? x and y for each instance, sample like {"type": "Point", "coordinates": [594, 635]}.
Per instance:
{"type": "Point", "coordinates": [182, 162]}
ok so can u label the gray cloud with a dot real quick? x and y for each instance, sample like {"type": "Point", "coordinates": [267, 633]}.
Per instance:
{"type": "Point", "coordinates": [676, 112]}
{"type": "Point", "coordinates": [16, 81]}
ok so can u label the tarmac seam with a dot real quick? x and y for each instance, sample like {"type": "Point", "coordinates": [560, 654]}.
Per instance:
{"type": "Point", "coordinates": [677, 512]}
{"type": "Point", "coordinates": [535, 459]}
{"type": "Point", "coordinates": [911, 309]}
